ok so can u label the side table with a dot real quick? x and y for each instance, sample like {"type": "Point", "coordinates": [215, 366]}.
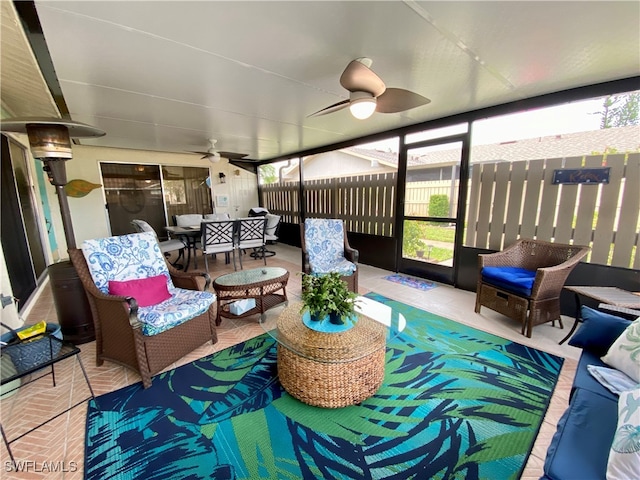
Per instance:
{"type": "Point", "coordinates": [67, 350]}
{"type": "Point", "coordinates": [614, 296]}
{"type": "Point", "coordinates": [261, 284]}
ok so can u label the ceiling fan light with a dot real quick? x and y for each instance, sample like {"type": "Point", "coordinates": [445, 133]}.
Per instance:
{"type": "Point", "coordinates": [214, 157]}
{"type": "Point", "coordinates": [362, 108]}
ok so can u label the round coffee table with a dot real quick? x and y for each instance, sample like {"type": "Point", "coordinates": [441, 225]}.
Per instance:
{"type": "Point", "coordinates": [335, 370]}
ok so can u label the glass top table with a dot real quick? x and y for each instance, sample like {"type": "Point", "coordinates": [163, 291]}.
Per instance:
{"type": "Point", "coordinates": [334, 370]}
{"type": "Point", "coordinates": [265, 286]}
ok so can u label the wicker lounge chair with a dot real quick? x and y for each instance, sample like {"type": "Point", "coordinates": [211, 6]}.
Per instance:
{"type": "Point", "coordinates": [120, 336]}
{"type": "Point", "coordinates": [325, 248]}
{"type": "Point", "coordinates": [549, 264]}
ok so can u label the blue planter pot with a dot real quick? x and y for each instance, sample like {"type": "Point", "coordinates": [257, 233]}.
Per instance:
{"type": "Point", "coordinates": [328, 324]}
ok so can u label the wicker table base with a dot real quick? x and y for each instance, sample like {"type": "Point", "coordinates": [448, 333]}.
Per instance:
{"type": "Point", "coordinates": [330, 370]}
{"type": "Point", "coordinates": [261, 284]}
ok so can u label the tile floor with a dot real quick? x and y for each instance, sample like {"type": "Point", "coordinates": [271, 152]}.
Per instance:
{"type": "Point", "coordinates": [56, 450]}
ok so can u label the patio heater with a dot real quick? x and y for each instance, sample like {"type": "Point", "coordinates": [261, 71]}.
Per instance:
{"type": "Point", "coordinates": [50, 142]}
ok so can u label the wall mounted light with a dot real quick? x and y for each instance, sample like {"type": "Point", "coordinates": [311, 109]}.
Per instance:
{"type": "Point", "coordinates": [223, 178]}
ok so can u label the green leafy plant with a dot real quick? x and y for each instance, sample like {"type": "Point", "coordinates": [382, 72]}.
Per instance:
{"type": "Point", "coordinates": [327, 294]}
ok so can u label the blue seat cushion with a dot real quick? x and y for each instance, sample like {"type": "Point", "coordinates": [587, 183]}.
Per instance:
{"type": "Point", "coordinates": [580, 447]}
{"type": "Point", "coordinates": [512, 279]}
{"type": "Point", "coordinates": [585, 381]}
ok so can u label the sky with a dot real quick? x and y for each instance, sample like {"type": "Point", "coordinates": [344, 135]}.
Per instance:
{"type": "Point", "coordinates": [573, 117]}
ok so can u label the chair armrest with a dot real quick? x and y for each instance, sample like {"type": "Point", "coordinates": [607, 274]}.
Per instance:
{"type": "Point", "coordinates": [510, 256]}
{"type": "Point", "coordinates": [550, 280]}
{"type": "Point", "coordinates": [351, 254]}
{"type": "Point", "coordinates": [189, 280]}
{"type": "Point", "coordinates": [306, 266]}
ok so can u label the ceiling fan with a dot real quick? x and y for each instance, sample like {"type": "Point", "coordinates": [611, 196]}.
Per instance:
{"type": "Point", "coordinates": [213, 155]}
{"type": "Point", "coordinates": [368, 93]}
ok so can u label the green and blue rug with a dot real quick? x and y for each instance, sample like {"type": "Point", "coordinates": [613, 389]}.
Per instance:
{"type": "Point", "coordinates": [455, 403]}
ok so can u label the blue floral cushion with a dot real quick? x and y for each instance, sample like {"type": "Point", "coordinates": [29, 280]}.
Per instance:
{"type": "Point", "coordinates": [135, 256]}
{"type": "Point", "coordinates": [512, 279]}
{"type": "Point", "coordinates": [324, 240]}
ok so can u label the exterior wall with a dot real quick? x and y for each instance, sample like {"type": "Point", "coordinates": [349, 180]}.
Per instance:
{"type": "Point", "coordinates": [336, 164]}
{"type": "Point", "coordinates": [88, 214]}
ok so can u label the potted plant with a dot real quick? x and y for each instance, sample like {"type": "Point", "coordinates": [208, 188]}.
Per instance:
{"type": "Point", "coordinates": [326, 297]}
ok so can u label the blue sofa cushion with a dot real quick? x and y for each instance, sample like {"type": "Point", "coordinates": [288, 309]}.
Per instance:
{"type": "Point", "coordinates": [598, 331]}
{"type": "Point", "coordinates": [512, 279]}
{"type": "Point", "coordinates": [580, 447]}
{"type": "Point", "coordinates": [584, 380]}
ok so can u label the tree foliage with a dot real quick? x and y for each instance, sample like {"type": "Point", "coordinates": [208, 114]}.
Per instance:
{"type": "Point", "coordinates": [267, 174]}
{"type": "Point", "coordinates": [620, 110]}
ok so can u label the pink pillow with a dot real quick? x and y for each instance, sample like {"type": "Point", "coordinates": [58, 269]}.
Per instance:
{"type": "Point", "coordinates": [146, 291]}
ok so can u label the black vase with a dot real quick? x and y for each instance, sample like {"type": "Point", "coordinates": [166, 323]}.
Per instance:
{"type": "Point", "coordinates": [335, 319]}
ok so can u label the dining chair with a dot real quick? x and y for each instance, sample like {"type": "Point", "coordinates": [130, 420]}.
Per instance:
{"type": "Point", "coordinates": [217, 216]}
{"type": "Point", "coordinates": [217, 236]}
{"type": "Point", "coordinates": [188, 220]}
{"type": "Point", "coordinates": [270, 235]}
{"type": "Point", "coordinates": [326, 249]}
{"type": "Point", "coordinates": [166, 246]}
{"type": "Point", "coordinates": [251, 234]}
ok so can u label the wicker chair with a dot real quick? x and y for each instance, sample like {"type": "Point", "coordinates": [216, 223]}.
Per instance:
{"type": "Point", "coordinates": [549, 264]}
{"type": "Point", "coordinates": [119, 331]}
{"type": "Point", "coordinates": [325, 248]}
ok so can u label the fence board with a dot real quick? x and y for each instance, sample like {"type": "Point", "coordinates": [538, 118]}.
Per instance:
{"type": "Point", "coordinates": [567, 206]}
{"type": "Point", "coordinates": [627, 232]}
{"type": "Point", "coordinates": [548, 201]}
{"type": "Point", "coordinates": [531, 198]}
{"type": "Point", "coordinates": [514, 212]}
{"type": "Point", "coordinates": [499, 205]}
{"type": "Point", "coordinates": [472, 210]}
{"type": "Point", "coordinates": [608, 211]}
{"type": "Point", "coordinates": [506, 201]}
{"type": "Point", "coordinates": [588, 197]}
{"type": "Point", "coordinates": [484, 206]}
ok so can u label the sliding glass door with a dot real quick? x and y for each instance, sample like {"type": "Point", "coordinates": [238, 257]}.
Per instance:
{"type": "Point", "coordinates": [153, 194]}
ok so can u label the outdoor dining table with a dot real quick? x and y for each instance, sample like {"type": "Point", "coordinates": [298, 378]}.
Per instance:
{"type": "Point", "coordinates": [190, 236]}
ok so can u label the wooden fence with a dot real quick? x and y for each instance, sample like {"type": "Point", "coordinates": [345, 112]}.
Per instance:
{"type": "Point", "coordinates": [507, 200]}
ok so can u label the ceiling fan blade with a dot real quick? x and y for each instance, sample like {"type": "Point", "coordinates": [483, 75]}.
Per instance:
{"type": "Point", "coordinates": [199, 153]}
{"type": "Point", "coordinates": [233, 155]}
{"type": "Point", "coordinates": [331, 108]}
{"type": "Point", "coordinates": [395, 100]}
{"type": "Point", "coordinates": [360, 78]}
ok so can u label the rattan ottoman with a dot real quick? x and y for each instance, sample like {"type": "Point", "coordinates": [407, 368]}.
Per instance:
{"type": "Point", "coordinates": [330, 370]}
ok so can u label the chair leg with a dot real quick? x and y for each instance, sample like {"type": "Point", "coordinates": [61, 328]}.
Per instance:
{"type": "Point", "coordinates": [233, 252]}
{"type": "Point", "coordinates": [206, 264]}
{"type": "Point", "coordinates": [264, 257]}
{"type": "Point", "coordinates": [240, 258]}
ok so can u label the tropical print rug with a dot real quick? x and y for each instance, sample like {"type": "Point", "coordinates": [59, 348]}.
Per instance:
{"type": "Point", "coordinates": [455, 403]}
{"type": "Point", "coordinates": [411, 282]}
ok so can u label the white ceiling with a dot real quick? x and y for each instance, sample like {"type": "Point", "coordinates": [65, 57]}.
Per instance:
{"type": "Point", "coordinates": [168, 75]}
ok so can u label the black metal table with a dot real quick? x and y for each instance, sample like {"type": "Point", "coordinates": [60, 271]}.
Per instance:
{"type": "Point", "coordinates": [614, 296]}
{"type": "Point", "coordinates": [190, 236]}
{"type": "Point", "coordinates": [67, 350]}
